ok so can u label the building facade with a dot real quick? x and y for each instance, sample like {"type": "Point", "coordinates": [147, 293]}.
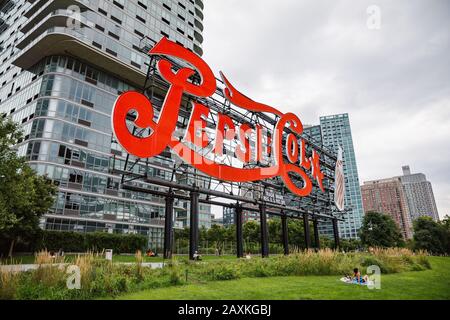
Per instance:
{"type": "Point", "coordinates": [63, 64]}
{"type": "Point", "coordinates": [229, 216]}
{"type": "Point", "coordinates": [388, 196]}
{"type": "Point", "coordinates": [419, 194]}
{"type": "Point", "coordinates": [335, 131]}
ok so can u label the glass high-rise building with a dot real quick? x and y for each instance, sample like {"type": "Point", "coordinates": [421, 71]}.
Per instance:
{"type": "Point", "coordinates": [63, 64]}
{"type": "Point", "coordinates": [335, 131]}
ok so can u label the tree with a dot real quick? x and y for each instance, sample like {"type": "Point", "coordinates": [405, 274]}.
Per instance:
{"type": "Point", "coordinates": [445, 223]}
{"type": "Point", "coordinates": [431, 235]}
{"type": "Point", "coordinates": [274, 230]}
{"type": "Point", "coordinates": [24, 195]}
{"type": "Point", "coordinates": [251, 231]}
{"type": "Point", "coordinates": [380, 230]}
{"type": "Point", "coordinates": [350, 244]}
{"type": "Point", "coordinates": [296, 233]}
{"type": "Point", "coordinates": [217, 235]}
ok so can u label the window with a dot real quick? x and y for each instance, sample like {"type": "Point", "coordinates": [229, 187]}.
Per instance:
{"type": "Point", "coordinates": [142, 5]}
{"type": "Point", "coordinates": [140, 19]}
{"type": "Point", "coordinates": [116, 19]}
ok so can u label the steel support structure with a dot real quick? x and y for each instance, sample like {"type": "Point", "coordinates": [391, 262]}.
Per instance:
{"type": "Point", "coordinates": [264, 231]}
{"type": "Point", "coordinates": [193, 221]}
{"type": "Point", "coordinates": [336, 234]}
{"type": "Point", "coordinates": [307, 232]}
{"type": "Point", "coordinates": [284, 234]}
{"type": "Point", "coordinates": [316, 234]}
{"type": "Point", "coordinates": [239, 237]}
{"type": "Point", "coordinates": [168, 226]}
{"type": "Point", "coordinates": [291, 207]}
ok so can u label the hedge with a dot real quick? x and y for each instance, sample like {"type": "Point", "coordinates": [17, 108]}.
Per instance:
{"type": "Point", "coordinates": [79, 242]}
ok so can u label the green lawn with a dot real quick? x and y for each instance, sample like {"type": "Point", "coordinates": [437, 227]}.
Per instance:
{"type": "Point", "coordinates": [429, 284]}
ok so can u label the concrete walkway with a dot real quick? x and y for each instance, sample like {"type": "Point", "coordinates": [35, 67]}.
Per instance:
{"type": "Point", "coordinates": [28, 267]}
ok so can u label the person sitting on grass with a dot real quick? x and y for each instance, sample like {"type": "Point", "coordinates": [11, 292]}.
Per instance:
{"type": "Point", "coordinates": [358, 278]}
{"type": "Point", "coordinates": [197, 256]}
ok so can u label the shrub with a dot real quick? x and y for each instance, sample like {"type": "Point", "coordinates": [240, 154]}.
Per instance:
{"type": "Point", "coordinates": [371, 260]}
{"type": "Point", "coordinates": [80, 242]}
{"type": "Point", "coordinates": [223, 271]}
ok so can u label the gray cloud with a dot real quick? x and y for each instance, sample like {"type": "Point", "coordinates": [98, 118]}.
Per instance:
{"type": "Point", "coordinates": [318, 57]}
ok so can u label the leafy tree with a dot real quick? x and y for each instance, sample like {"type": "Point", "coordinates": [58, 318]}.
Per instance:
{"type": "Point", "coordinates": [350, 244]}
{"type": "Point", "coordinates": [274, 228]}
{"type": "Point", "coordinates": [380, 230]}
{"type": "Point", "coordinates": [251, 231]}
{"type": "Point", "coordinates": [230, 233]}
{"type": "Point", "coordinates": [217, 235]}
{"type": "Point", "coordinates": [24, 195]}
{"type": "Point", "coordinates": [431, 235]}
{"type": "Point", "coordinates": [203, 234]}
{"type": "Point", "coordinates": [296, 233]}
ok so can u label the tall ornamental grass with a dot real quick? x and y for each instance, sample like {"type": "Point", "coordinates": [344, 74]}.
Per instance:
{"type": "Point", "coordinates": [102, 278]}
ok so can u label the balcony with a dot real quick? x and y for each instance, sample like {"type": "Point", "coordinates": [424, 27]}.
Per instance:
{"type": "Point", "coordinates": [51, 37]}
{"type": "Point", "coordinates": [36, 5]}
{"type": "Point", "coordinates": [198, 24]}
{"type": "Point", "coordinates": [199, 3]}
{"type": "Point", "coordinates": [199, 14]}
{"type": "Point", "coordinates": [64, 41]}
{"type": "Point", "coordinates": [198, 50]}
{"type": "Point", "coordinates": [57, 18]}
{"type": "Point", "coordinates": [3, 25]}
{"type": "Point", "coordinates": [198, 37]}
{"type": "Point", "coordinates": [44, 9]}
{"type": "Point", "coordinates": [6, 6]}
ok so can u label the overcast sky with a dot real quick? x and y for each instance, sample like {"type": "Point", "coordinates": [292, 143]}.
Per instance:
{"type": "Point", "coordinates": [319, 57]}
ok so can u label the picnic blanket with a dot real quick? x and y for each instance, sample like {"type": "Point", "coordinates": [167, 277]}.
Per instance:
{"type": "Point", "coordinates": [354, 281]}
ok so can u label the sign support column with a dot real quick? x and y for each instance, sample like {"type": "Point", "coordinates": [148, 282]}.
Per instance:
{"type": "Point", "coordinates": [284, 231]}
{"type": "Point", "coordinates": [238, 222]}
{"type": "Point", "coordinates": [168, 226]}
{"type": "Point", "coordinates": [264, 233]}
{"type": "Point", "coordinates": [193, 223]}
{"type": "Point", "coordinates": [307, 232]}
{"type": "Point", "coordinates": [336, 234]}
{"type": "Point", "coordinates": [316, 234]}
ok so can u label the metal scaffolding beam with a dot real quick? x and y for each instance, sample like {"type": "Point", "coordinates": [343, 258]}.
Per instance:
{"type": "Point", "coordinates": [316, 234]}
{"type": "Point", "coordinates": [193, 228]}
{"type": "Point", "coordinates": [168, 226]}
{"type": "Point", "coordinates": [264, 231]}
{"type": "Point", "coordinates": [239, 233]}
{"type": "Point", "coordinates": [284, 234]}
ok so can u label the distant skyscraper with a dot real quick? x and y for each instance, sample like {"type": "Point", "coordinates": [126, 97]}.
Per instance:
{"type": "Point", "coordinates": [388, 196]}
{"type": "Point", "coordinates": [334, 132]}
{"type": "Point", "coordinates": [218, 221]}
{"type": "Point", "coordinates": [419, 194]}
{"type": "Point", "coordinates": [229, 216]}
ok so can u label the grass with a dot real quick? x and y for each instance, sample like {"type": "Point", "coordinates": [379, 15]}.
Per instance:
{"type": "Point", "coordinates": [30, 259]}
{"type": "Point", "coordinates": [279, 276]}
{"type": "Point", "coordinates": [430, 284]}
